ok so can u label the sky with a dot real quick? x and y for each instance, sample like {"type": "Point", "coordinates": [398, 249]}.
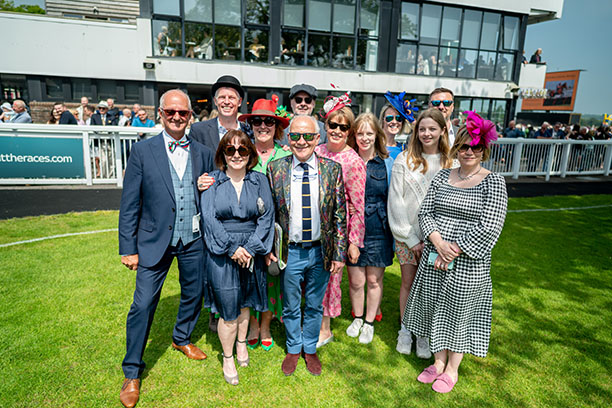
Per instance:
{"type": "Point", "coordinates": [581, 39]}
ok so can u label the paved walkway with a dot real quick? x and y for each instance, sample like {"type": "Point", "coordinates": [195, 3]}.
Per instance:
{"type": "Point", "coordinates": [32, 201]}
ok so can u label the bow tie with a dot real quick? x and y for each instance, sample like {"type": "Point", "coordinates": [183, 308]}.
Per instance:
{"type": "Point", "coordinates": [174, 144]}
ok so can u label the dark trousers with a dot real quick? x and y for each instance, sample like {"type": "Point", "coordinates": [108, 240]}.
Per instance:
{"type": "Point", "coordinates": [149, 282]}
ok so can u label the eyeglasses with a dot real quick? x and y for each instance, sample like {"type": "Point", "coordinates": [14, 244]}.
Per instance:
{"type": "Point", "coordinates": [309, 137]}
{"type": "Point", "coordinates": [101, 108]}
{"type": "Point", "coordinates": [445, 102]}
{"type": "Point", "coordinates": [390, 118]}
{"type": "Point", "coordinates": [476, 149]}
{"type": "Point", "coordinates": [299, 99]}
{"type": "Point", "coordinates": [333, 125]}
{"type": "Point", "coordinates": [268, 121]}
{"type": "Point", "coordinates": [171, 112]}
{"type": "Point", "coordinates": [231, 150]}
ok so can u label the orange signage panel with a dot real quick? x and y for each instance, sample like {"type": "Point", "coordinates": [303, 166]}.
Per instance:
{"type": "Point", "coordinates": [560, 92]}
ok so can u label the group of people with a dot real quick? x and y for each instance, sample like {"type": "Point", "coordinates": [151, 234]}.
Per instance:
{"type": "Point", "coordinates": [264, 210]}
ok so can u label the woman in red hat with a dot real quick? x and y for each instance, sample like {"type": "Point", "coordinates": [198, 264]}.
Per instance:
{"type": "Point", "coordinates": [268, 121]}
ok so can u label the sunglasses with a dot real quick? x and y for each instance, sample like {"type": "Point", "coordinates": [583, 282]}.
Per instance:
{"type": "Point", "coordinates": [309, 137]}
{"type": "Point", "coordinates": [171, 112]}
{"type": "Point", "coordinates": [437, 103]}
{"type": "Point", "coordinates": [299, 99]}
{"type": "Point", "coordinates": [230, 151]}
{"type": "Point", "coordinates": [398, 118]}
{"type": "Point", "coordinates": [476, 149]}
{"type": "Point", "coordinates": [333, 125]}
{"type": "Point", "coordinates": [268, 121]}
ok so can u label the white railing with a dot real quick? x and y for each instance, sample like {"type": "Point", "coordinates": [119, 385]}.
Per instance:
{"type": "Point", "coordinates": [105, 150]}
{"type": "Point", "coordinates": [546, 157]}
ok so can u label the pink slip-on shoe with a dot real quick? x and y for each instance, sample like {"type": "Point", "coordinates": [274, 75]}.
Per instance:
{"type": "Point", "coordinates": [443, 384]}
{"type": "Point", "coordinates": [428, 375]}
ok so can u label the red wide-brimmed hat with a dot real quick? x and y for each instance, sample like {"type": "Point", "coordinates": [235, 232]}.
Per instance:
{"type": "Point", "coordinates": [266, 107]}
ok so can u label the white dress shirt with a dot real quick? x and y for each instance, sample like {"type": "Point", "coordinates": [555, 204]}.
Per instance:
{"type": "Point", "coordinates": [295, 214]}
{"type": "Point", "coordinates": [178, 157]}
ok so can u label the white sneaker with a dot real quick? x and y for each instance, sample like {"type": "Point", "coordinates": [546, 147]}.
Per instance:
{"type": "Point", "coordinates": [367, 334]}
{"type": "Point", "coordinates": [354, 328]}
{"type": "Point", "coordinates": [422, 347]}
{"type": "Point", "coordinates": [404, 342]}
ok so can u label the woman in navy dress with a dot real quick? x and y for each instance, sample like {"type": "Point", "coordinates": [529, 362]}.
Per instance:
{"type": "Point", "coordinates": [238, 219]}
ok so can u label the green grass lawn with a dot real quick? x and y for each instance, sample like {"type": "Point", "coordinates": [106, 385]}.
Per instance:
{"type": "Point", "coordinates": [63, 305]}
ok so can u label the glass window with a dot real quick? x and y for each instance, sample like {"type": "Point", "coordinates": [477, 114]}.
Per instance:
{"type": "Point", "coordinates": [55, 88]}
{"type": "Point", "coordinates": [430, 24]}
{"type": "Point", "coordinates": [256, 45]}
{"type": "Point", "coordinates": [228, 12]}
{"type": "Point", "coordinates": [409, 23]}
{"type": "Point", "coordinates": [427, 61]}
{"type": "Point", "coordinates": [498, 111]}
{"type": "Point", "coordinates": [13, 87]}
{"type": "Point", "coordinates": [318, 50]}
{"type": "Point", "coordinates": [368, 17]}
{"type": "Point", "coordinates": [471, 29]}
{"type": "Point", "coordinates": [344, 16]}
{"type": "Point", "coordinates": [293, 13]}
{"type": "Point", "coordinates": [451, 24]}
{"type": "Point", "coordinates": [490, 31]}
{"type": "Point", "coordinates": [292, 48]}
{"type": "Point", "coordinates": [467, 64]}
{"type": "Point", "coordinates": [227, 43]}
{"type": "Point", "coordinates": [447, 62]}
{"type": "Point", "coordinates": [131, 92]}
{"type": "Point", "coordinates": [462, 105]}
{"type": "Point", "coordinates": [505, 65]}
{"type": "Point", "coordinates": [511, 32]}
{"type": "Point", "coordinates": [198, 10]}
{"type": "Point", "coordinates": [367, 55]}
{"type": "Point", "coordinates": [481, 107]}
{"type": "Point", "coordinates": [80, 88]}
{"type": "Point", "coordinates": [257, 11]}
{"type": "Point", "coordinates": [319, 15]}
{"type": "Point", "coordinates": [107, 88]}
{"type": "Point", "coordinates": [405, 58]}
{"type": "Point", "coordinates": [486, 65]}
{"type": "Point", "coordinates": [198, 41]}
{"type": "Point", "coordinates": [343, 52]}
{"type": "Point", "coordinates": [170, 8]}
{"type": "Point", "coordinates": [166, 38]}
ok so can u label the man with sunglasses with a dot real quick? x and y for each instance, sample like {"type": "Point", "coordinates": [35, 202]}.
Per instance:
{"type": "Point", "coordinates": [227, 96]}
{"type": "Point", "coordinates": [159, 220]}
{"type": "Point", "coordinates": [308, 192]}
{"type": "Point", "coordinates": [443, 99]}
{"type": "Point", "coordinates": [303, 98]}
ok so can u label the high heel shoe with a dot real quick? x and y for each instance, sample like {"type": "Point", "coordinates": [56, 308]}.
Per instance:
{"type": "Point", "coordinates": [242, 363]}
{"type": "Point", "coordinates": [253, 343]}
{"type": "Point", "coordinates": [269, 344]}
{"type": "Point", "coordinates": [231, 380]}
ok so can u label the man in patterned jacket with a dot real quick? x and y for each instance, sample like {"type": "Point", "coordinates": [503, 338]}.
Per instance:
{"type": "Point", "coordinates": [308, 192]}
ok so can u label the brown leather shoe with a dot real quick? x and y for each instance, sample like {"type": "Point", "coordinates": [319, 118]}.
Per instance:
{"type": "Point", "coordinates": [313, 364]}
{"type": "Point", "coordinates": [191, 351]}
{"type": "Point", "coordinates": [290, 363]}
{"type": "Point", "coordinates": [130, 392]}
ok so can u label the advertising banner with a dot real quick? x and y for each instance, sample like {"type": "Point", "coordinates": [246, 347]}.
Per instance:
{"type": "Point", "coordinates": [560, 92]}
{"type": "Point", "coordinates": [41, 157]}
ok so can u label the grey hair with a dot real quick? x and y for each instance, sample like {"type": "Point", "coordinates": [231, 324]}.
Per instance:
{"type": "Point", "coordinates": [314, 121]}
{"type": "Point", "coordinates": [163, 97]}
{"type": "Point", "coordinates": [228, 87]}
{"type": "Point", "coordinates": [20, 103]}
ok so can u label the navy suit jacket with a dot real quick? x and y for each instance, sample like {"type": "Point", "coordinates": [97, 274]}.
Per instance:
{"type": "Point", "coordinates": [67, 118]}
{"type": "Point", "coordinates": [207, 133]}
{"type": "Point", "coordinates": [148, 205]}
{"type": "Point", "coordinates": [96, 119]}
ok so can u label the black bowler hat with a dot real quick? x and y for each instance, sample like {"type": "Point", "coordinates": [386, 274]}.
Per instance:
{"type": "Point", "coordinates": [228, 81]}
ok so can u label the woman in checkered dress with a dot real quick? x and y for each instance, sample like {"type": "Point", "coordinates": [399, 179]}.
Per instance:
{"type": "Point", "coordinates": [462, 216]}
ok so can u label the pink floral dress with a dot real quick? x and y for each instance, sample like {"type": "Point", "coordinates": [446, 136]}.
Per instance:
{"type": "Point", "coordinates": [354, 173]}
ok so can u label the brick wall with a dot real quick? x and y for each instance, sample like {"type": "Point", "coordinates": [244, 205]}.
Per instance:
{"type": "Point", "coordinates": [40, 111]}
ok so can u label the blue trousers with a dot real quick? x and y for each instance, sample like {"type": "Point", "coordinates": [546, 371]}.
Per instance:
{"type": "Point", "coordinates": [303, 265]}
{"type": "Point", "coordinates": [149, 282]}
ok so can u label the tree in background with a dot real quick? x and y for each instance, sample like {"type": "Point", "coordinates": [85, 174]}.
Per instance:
{"type": "Point", "coordinates": [7, 5]}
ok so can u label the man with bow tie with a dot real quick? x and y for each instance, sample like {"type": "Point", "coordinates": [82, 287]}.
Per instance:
{"type": "Point", "coordinates": [159, 220]}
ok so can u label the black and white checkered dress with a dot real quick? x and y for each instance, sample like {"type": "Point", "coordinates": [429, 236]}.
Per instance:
{"type": "Point", "coordinates": [453, 308]}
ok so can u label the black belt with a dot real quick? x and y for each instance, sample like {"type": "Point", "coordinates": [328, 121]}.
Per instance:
{"type": "Point", "coordinates": [305, 245]}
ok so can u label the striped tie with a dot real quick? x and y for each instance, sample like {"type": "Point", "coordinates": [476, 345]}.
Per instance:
{"type": "Point", "coordinates": [306, 215]}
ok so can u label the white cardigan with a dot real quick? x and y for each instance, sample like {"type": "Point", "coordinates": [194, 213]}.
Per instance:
{"type": "Point", "coordinates": [406, 192]}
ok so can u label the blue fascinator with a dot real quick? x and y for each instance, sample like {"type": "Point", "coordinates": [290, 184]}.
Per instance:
{"type": "Point", "coordinates": [404, 107]}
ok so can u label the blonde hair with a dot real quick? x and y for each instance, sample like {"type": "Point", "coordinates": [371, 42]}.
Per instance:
{"type": "Point", "coordinates": [414, 155]}
{"type": "Point", "coordinates": [406, 125]}
{"type": "Point", "coordinates": [380, 143]}
{"type": "Point", "coordinates": [347, 114]}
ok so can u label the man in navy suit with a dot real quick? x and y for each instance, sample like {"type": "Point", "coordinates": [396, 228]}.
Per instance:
{"type": "Point", "coordinates": [159, 220]}
{"type": "Point", "coordinates": [227, 95]}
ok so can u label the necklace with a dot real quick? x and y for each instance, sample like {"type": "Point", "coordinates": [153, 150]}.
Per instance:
{"type": "Point", "coordinates": [468, 176]}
